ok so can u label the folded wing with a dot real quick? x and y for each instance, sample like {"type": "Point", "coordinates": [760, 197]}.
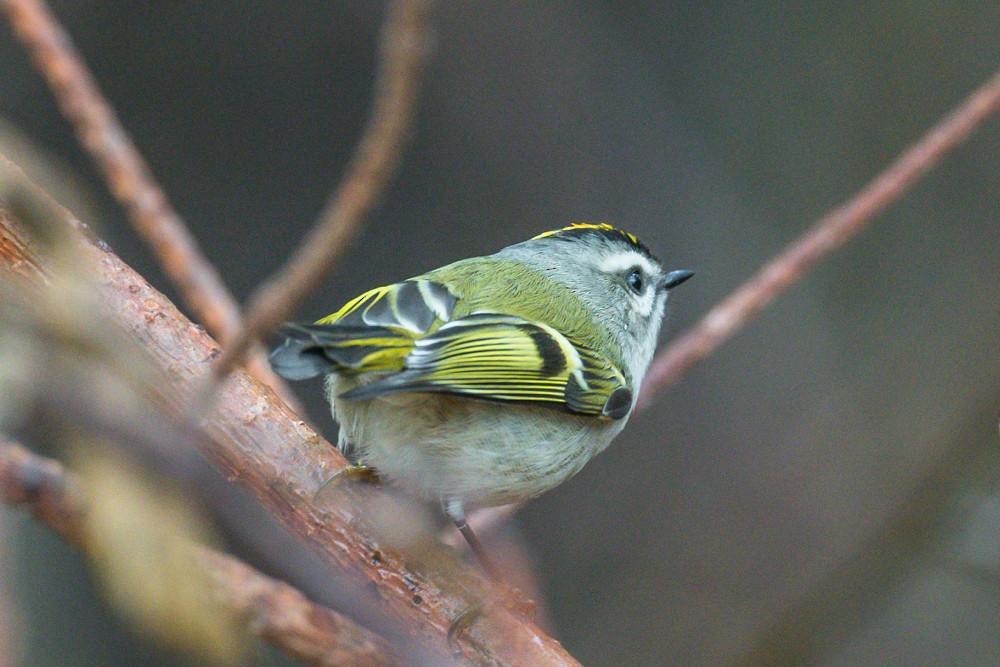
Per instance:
{"type": "Point", "coordinates": [498, 357]}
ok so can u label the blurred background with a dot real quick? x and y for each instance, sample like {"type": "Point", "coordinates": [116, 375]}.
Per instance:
{"type": "Point", "coordinates": [825, 489]}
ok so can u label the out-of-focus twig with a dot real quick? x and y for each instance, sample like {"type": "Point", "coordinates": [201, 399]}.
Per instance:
{"type": "Point", "coordinates": [828, 234]}
{"type": "Point", "coordinates": [271, 609]}
{"type": "Point", "coordinates": [41, 486]}
{"type": "Point", "coordinates": [282, 615]}
{"type": "Point", "coordinates": [406, 43]}
{"type": "Point", "coordinates": [130, 179]}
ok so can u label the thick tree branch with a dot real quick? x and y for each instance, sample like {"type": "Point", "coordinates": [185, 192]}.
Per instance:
{"type": "Point", "coordinates": [828, 234]}
{"type": "Point", "coordinates": [406, 43]}
{"type": "Point", "coordinates": [257, 440]}
{"type": "Point", "coordinates": [271, 609]}
{"type": "Point", "coordinates": [129, 178]}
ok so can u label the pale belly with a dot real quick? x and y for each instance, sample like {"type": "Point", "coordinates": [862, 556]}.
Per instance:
{"type": "Point", "coordinates": [480, 453]}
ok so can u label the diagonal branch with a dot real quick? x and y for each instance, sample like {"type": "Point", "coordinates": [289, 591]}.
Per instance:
{"type": "Point", "coordinates": [282, 463]}
{"type": "Point", "coordinates": [828, 234]}
{"type": "Point", "coordinates": [129, 177]}
{"type": "Point", "coordinates": [271, 609]}
{"type": "Point", "coordinates": [405, 48]}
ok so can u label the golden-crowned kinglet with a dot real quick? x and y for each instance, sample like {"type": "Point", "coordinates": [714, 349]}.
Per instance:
{"type": "Point", "coordinates": [493, 379]}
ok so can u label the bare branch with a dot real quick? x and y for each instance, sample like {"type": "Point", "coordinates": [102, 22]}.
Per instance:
{"type": "Point", "coordinates": [282, 615]}
{"type": "Point", "coordinates": [258, 441]}
{"type": "Point", "coordinates": [41, 486]}
{"type": "Point", "coordinates": [271, 609]}
{"type": "Point", "coordinates": [405, 47]}
{"type": "Point", "coordinates": [129, 178]}
{"type": "Point", "coordinates": [828, 234]}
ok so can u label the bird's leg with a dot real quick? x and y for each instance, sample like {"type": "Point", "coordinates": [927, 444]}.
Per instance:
{"type": "Point", "coordinates": [510, 597]}
{"type": "Point", "coordinates": [456, 512]}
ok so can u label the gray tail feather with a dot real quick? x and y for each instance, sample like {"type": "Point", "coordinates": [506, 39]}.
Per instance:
{"type": "Point", "coordinates": [299, 360]}
{"type": "Point", "coordinates": [310, 350]}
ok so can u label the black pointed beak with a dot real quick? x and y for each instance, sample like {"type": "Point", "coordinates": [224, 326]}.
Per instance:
{"type": "Point", "coordinates": [675, 278]}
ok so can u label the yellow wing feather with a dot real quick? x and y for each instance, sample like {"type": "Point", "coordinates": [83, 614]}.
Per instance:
{"type": "Point", "coordinates": [506, 358]}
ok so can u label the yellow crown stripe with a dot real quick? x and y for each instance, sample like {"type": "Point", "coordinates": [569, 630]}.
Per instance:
{"type": "Point", "coordinates": [601, 227]}
{"type": "Point", "coordinates": [576, 225]}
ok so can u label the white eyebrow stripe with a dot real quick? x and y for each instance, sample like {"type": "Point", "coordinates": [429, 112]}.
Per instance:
{"type": "Point", "coordinates": [626, 260]}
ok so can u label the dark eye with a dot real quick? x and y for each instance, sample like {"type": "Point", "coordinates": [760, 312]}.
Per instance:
{"type": "Point", "coordinates": [634, 281]}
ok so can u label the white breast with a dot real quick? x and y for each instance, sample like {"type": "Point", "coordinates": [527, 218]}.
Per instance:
{"type": "Point", "coordinates": [482, 453]}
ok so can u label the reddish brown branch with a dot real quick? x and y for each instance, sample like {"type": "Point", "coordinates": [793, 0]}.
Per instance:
{"type": "Point", "coordinates": [271, 609]}
{"type": "Point", "coordinates": [405, 46]}
{"type": "Point", "coordinates": [257, 440]}
{"type": "Point", "coordinates": [828, 234]}
{"type": "Point", "coordinates": [280, 614]}
{"type": "Point", "coordinates": [128, 176]}
{"type": "Point", "coordinates": [41, 486]}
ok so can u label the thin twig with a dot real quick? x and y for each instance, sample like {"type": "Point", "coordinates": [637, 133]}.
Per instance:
{"type": "Point", "coordinates": [828, 234]}
{"type": "Point", "coordinates": [406, 42]}
{"type": "Point", "coordinates": [129, 178]}
{"type": "Point", "coordinates": [271, 609]}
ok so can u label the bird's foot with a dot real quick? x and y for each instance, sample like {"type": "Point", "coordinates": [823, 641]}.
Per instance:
{"type": "Point", "coordinates": [510, 598]}
{"type": "Point", "coordinates": [357, 472]}
{"type": "Point", "coordinates": [463, 622]}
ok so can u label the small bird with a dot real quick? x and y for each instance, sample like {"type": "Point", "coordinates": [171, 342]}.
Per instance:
{"type": "Point", "coordinates": [494, 379]}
